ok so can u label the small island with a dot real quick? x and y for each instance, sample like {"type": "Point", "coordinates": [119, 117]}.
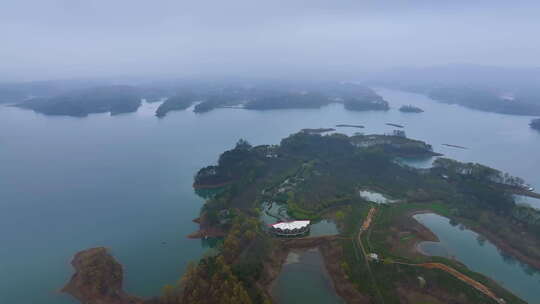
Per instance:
{"type": "Point", "coordinates": [395, 125]}
{"type": "Point", "coordinates": [367, 103]}
{"type": "Point", "coordinates": [410, 109]}
{"type": "Point", "coordinates": [455, 146]}
{"type": "Point", "coordinates": [349, 126]}
{"type": "Point", "coordinates": [175, 103]}
{"type": "Point", "coordinates": [535, 124]}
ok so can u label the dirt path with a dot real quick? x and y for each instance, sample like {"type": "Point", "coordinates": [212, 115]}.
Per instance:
{"type": "Point", "coordinates": [368, 220]}
{"type": "Point", "coordinates": [469, 281]}
{"type": "Point", "coordinates": [365, 226]}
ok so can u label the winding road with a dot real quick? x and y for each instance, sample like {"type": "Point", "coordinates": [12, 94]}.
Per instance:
{"type": "Point", "coordinates": [469, 281]}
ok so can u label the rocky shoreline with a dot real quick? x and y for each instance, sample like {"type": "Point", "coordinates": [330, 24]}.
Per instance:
{"type": "Point", "coordinates": [98, 279]}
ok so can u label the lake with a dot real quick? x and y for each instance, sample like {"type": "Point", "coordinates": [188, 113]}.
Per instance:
{"type": "Point", "coordinates": [481, 256]}
{"type": "Point", "coordinates": [124, 182]}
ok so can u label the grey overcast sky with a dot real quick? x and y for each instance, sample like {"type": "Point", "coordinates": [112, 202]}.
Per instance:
{"type": "Point", "coordinates": [51, 39]}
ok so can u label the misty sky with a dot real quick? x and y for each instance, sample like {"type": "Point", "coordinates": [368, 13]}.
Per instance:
{"type": "Point", "coordinates": [44, 39]}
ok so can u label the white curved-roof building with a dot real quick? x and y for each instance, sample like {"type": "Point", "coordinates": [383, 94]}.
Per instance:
{"type": "Point", "coordinates": [291, 225]}
{"type": "Point", "coordinates": [293, 228]}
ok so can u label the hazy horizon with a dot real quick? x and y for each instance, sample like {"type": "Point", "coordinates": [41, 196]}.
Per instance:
{"type": "Point", "coordinates": [59, 39]}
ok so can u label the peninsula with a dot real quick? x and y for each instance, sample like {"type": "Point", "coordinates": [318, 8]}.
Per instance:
{"type": "Point", "coordinates": [373, 258]}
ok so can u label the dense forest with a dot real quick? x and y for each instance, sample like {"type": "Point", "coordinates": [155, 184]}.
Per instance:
{"type": "Point", "coordinates": [313, 175]}
{"type": "Point", "coordinates": [113, 99]}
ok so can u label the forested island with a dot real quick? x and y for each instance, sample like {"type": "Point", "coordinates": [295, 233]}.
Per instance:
{"type": "Point", "coordinates": [410, 109]}
{"type": "Point", "coordinates": [210, 95]}
{"type": "Point", "coordinates": [317, 177]}
{"type": "Point", "coordinates": [175, 103]}
{"type": "Point", "coordinates": [535, 124]}
{"type": "Point", "coordinates": [112, 99]}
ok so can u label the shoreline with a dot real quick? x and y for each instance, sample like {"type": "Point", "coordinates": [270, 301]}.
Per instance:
{"type": "Point", "coordinates": [331, 255]}
{"type": "Point", "coordinates": [213, 186]}
{"type": "Point", "coordinates": [98, 279]}
{"type": "Point", "coordinates": [500, 244]}
{"type": "Point", "coordinates": [504, 247]}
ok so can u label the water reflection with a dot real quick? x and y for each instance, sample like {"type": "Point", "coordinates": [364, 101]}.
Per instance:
{"type": "Point", "coordinates": [480, 255]}
{"type": "Point", "coordinates": [304, 279]}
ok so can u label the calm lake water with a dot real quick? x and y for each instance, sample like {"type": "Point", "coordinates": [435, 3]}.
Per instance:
{"type": "Point", "coordinates": [124, 182]}
{"type": "Point", "coordinates": [304, 279]}
{"type": "Point", "coordinates": [481, 256]}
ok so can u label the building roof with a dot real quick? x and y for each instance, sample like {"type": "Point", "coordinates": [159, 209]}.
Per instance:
{"type": "Point", "coordinates": [291, 225]}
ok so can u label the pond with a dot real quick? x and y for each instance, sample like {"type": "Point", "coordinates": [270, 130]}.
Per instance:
{"type": "Point", "coordinates": [323, 227]}
{"type": "Point", "coordinates": [304, 279]}
{"type": "Point", "coordinates": [480, 255]}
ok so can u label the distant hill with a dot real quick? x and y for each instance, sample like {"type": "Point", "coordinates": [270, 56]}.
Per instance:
{"type": "Point", "coordinates": [55, 99]}
{"type": "Point", "coordinates": [493, 89]}
{"type": "Point", "coordinates": [21, 91]}
{"type": "Point", "coordinates": [113, 99]}
{"type": "Point", "coordinates": [461, 75]}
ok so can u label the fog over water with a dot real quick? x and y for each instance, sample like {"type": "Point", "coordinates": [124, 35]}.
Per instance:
{"type": "Point", "coordinates": [78, 177]}
{"type": "Point", "coordinates": [53, 39]}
